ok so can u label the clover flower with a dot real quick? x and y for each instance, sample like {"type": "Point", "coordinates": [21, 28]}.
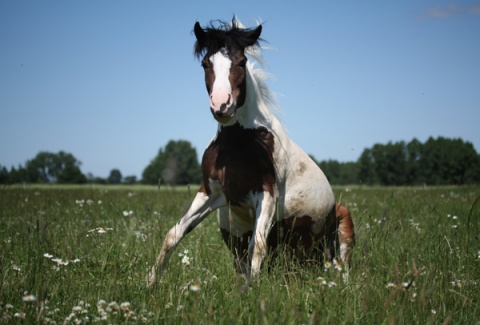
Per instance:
{"type": "Point", "coordinates": [141, 235]}
{"type": "Point", "coordinates": [113, 306]}
{"type": "Point", "coordinates": [29, 298]}
{"type": "Point", "coordinates": [59, 261]}
{"type": "Point", "coordinates": [398, 286]}
{"type": "Point", "coordinates": [195, 287]}
{"type": "Point", "coordinates": [99, 230]}
{"type": "Point", "coordinates": [185, 258]}
{"type": "Point", "coordinates": [125, 306]}
{"type": "Point", "coordinates": [332, 284]}
{"type": "Point", "coordinates": [324, 282]}
{"type": "Point", "coordinates": [337, 265]}
{"type": "Point", "coordinates": [415, 225]}
{"type": "Point", "coordinates": [457, 283]}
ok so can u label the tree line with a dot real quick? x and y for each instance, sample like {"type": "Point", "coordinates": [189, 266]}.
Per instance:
{"type": "Point", "coordinates": [439, 161]}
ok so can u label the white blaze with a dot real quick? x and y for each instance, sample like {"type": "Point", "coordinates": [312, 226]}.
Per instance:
{"type": "Point", "coordinates": [221, 90]}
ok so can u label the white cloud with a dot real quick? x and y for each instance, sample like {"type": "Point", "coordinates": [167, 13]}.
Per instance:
{"type": "Point", "coordinates": [474, 9]}
{"type": "Point", "coordinates": [443, 12]}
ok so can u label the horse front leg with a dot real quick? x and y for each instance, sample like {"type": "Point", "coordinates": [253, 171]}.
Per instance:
{"type": "Point", "coordinates": [258, 248]}
{"type": "Point", "coordinates": [199, 209]}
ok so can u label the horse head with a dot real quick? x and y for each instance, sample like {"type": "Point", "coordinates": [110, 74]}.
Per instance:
{"type": "Point", "coordinates": [224, 62]}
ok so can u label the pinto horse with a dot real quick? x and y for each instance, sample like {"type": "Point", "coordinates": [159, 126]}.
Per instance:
{"type": "Point", "coordinates": [268, 191]}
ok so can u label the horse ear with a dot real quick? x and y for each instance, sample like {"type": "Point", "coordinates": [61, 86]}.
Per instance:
{"type": "Point", "coordinates": [254, 35]}
{"type": "Point", "coordinates": [199, 32]}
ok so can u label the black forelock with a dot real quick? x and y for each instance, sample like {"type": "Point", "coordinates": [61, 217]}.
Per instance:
{"type": "Point", "coordinates": [221, 34]}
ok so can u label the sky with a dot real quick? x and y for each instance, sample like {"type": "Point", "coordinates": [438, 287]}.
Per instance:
{"type": "Point", "coordinates": [111, 82]}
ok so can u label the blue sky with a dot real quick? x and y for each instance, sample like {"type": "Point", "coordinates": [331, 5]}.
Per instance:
{"type": "Point", "coordinates": [113, 81]}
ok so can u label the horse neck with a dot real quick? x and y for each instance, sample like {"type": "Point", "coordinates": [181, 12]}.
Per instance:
{"type": "Point", "coordinates": [257, 111]}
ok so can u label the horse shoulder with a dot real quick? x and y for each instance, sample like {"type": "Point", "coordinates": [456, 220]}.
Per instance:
{"type": "Point", "coordinates": [306, 188]}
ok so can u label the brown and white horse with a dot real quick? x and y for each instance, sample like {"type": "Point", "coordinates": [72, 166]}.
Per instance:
{"type": "Point", "coordinates": [268, 192]}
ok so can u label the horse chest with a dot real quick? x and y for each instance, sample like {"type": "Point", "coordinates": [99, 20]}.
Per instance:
{"type": "Point", "coordinates": [238, 162]}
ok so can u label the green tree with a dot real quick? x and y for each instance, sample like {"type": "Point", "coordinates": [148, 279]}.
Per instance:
{"type": "Point", "coordinates": [339, 173]}
{"type": "Point", "coordinates": [449, 161]}
{"type": "Point", "coordinates": [49, 167]}
{"type": "Point", "coordinates": [390, 163]}
{"type": "Point", "coordinates": [414, 153]}
{"type": "Point", "coordinates": [115, 177]}
{"type": "Point", "coordinates": [366, 170]}
{"type": "Point", "coordinates": [4, 175]}
{"type": "Point", "coordinates": [132, 179]}
{"type": "Point", "coordinates": [438, 161]}
{"type": "Point", "coordinates": [177, 164]}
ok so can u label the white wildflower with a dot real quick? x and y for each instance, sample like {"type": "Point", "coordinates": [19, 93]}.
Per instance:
{"type": "Point", "coordinates": [186, 260]}
{"type": "Point", "coordinates": [29, 298]}
{"type": "Point", "coordinates": [195, 287]}
{"type": "Point", "coordinates": [125, 306]}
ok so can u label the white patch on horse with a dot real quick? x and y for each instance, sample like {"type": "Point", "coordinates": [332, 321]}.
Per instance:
{"type": "Point", "coordinates": [221, 90]}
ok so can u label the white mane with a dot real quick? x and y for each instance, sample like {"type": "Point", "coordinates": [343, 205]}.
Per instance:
{"type": "Point", "coordinates": [262, 112]}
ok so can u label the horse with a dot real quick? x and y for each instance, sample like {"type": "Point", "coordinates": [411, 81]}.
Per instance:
{"type": "Point", "coordinates": [267, 191]}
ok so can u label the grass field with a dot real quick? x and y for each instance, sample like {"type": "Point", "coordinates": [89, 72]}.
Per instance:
{"type": "Point", "coordinates": [81, 255]}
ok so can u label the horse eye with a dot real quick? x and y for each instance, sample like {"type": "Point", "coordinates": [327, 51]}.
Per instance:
{"type": "Point", "coordinates": [243, 63]}
{"type": "Point", "coordinates": [204, 65]}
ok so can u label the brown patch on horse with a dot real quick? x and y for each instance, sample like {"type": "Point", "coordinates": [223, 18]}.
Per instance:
{"type": "Point", "coordinates": [302, 166]}
{"type": "Point", "coordinates": [345, 224]}
{"type": "Point", "coordinates": [295, 234]}
{"type": "Point", "coordinates": [238, 246]}
{"type": "Point", "coordinates": [241, 160]}
{"type": "Point", "coordinates": [346, 233]}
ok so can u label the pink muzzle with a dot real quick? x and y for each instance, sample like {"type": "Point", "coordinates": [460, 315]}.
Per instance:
{"type": "Point", "coordinates": [221, 103]}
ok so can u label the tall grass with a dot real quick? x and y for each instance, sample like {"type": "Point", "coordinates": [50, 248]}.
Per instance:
{"type": "Point", "coordinates": [417, 260]}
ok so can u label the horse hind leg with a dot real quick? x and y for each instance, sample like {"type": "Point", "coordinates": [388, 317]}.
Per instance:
{"type": "Point", "coordinates": [345, 231]}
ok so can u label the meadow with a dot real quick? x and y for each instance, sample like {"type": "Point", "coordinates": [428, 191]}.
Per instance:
{"type": "Point", "coordinates": [81, 255]}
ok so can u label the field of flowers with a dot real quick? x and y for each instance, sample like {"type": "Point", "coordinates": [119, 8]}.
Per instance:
{"type": "Point", "coordinates": [81, 255]}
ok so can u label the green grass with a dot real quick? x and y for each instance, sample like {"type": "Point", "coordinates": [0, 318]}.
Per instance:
{"type": "Point", "coordinates": [416, 261]}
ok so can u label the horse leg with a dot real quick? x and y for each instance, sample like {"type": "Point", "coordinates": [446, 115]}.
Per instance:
{"type": "Point", "coordinates": [199, 209]}
{"type": "Point", "coordinates": [346, 234]}
{"type": "Point", "coordinates": [258, 244]}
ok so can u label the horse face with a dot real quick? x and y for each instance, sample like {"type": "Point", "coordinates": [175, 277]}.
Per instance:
{"type": "Point", "coordinates": [225, 76]}
{"type": "Point", "coordinates": [225, 68]}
